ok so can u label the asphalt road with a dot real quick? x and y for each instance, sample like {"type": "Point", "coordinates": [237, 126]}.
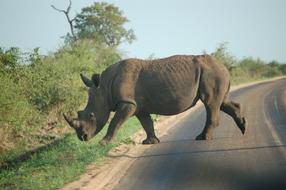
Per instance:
{"type": "Point", "coordinates": [256, 160]}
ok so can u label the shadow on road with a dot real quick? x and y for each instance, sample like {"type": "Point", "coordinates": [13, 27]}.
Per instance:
{"type": "Point", "coordinates": [201, 151]}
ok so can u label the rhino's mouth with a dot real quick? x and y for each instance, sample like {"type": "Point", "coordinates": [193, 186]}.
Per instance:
{"type": "Point", "coordinates": [83, 137]}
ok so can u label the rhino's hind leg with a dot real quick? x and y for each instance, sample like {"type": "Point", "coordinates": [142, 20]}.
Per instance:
{"type": "Point", "coordinates": [212, 121]}
{"type": "Point", "coordinates": [212, 92]}
{"type": "Point", "coordinates": [233, 109]}
{"type": "Point", "coordinates": [147, 123]}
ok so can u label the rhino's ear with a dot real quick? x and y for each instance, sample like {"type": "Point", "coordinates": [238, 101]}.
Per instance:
{"type": "Point", "coordinates": [95, 79]}
{"type": "Point", "coordinates": [86, 81]}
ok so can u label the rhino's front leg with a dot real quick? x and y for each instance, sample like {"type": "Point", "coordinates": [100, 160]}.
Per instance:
{"type": "Point", "coordinates": [148, 125]}
{"type": "Point", "coordinates": [123, 112]}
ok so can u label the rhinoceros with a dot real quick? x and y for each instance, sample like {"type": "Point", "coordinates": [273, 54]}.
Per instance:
{"type": "Point", "coordinates": [168, 86]}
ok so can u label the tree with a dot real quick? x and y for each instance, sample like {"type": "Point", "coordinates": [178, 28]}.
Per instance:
{"type": "Point", "coordinates": [101, 22]}
{"type": "Point", "coordinates": [224, 56]}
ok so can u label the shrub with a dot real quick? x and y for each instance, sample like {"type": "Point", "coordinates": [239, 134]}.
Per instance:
{"type": "Point", "coordinates": [42, 85]}
{"type": "Point", "coordinates": [224, 57]}
{"type": "Point", "coordinates": [17, 115]}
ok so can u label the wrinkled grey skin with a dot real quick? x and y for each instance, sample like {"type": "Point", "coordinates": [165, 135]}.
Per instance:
{"type": "Point", "coordinates": [168, 86]}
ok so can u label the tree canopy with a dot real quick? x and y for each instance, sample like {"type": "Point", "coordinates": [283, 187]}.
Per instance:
{"type": "Point", "coordinates": [224, 56]}
{"type": "Point", "coordinates": [103, 22]}
{"type": "Point", "coordinates": [100, 22]}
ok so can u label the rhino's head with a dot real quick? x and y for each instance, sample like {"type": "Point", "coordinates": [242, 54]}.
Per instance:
{"type": "Point", "coordinates": [96, 113]}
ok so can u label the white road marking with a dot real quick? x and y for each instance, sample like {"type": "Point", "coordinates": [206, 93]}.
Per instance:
{"type": "Point", "coordinates": [271, 128]}
{"type": "Point", "coordinates": [276, 106]}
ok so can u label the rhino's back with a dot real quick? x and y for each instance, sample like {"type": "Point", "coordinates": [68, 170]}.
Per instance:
{"type": "Point", "coordinates": [168, 86]}
{"type": "Point", "coordinates": [164, 86]}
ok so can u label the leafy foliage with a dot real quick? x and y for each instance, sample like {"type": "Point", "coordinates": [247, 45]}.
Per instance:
{"type": "Point", "coordinates": [224, 56]}
{"type": "Point", "coordinates": [103, 23]}
{"type": "Point", "coordinates": [37, 86]}
{"type": "Point", "coordinates": [247, 68]}
{"type": "Point", "coordinates": [15, 110]}
{"type": "Point", "coordinates": [9, 58]}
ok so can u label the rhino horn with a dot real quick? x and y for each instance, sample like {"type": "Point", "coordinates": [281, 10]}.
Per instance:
{"type": "Point", "coordinates": [72, 122]}
{"type": "Point", "coordinates": [86, 80]}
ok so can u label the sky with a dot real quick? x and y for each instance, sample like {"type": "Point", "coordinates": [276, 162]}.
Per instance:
{"type": "Point", "coordinates": [255, 28]}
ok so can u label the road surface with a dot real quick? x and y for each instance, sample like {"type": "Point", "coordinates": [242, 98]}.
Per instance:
{"type": "Point", "coordinates": [256, 160]}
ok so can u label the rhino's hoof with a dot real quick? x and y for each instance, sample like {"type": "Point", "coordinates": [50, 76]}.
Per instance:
{"type": "Point", "coordinates": [242, 126]}
{"type": "Point", "coordinates": [151, 140]}
{"type": "Point", "coordinates": [104, 142]}
{"type": "Point", "coordinates": [201, 137]}
{"type": "Point", "coordinates": [204, 137]}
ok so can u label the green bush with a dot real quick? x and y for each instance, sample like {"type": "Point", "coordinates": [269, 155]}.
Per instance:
{"type": "Point", "coordinates": [17, 115]}
{"type": "Point", "coordinates": [9, 59]}
{"type": "Point", "coordinates": [247, 69]}
{"type": "Point", "coordinates": [254, 67]}
{"type": "Point", "coordinates": [225, 57]}
{"type": "Point", "coordinates": [64, 68]}
{"type": "Point", "coordinates": [45, 85]}
{"type": "Point", "coordinates": [272, 71]}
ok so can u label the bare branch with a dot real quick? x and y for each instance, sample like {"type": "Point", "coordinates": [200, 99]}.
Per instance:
{"type": "Point", "coordinates": [70, 21]}
{"type": "Point", "coordinates": [69, 7]}
{"type": "Point", "coordinates": [58, 9]}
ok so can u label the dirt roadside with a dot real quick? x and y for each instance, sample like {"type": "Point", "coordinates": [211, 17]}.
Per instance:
{"type": "Point", "coordinates": [106, 174]}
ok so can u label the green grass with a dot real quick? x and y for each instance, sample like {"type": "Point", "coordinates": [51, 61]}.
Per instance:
{"type": "Point", "coordinates": [60, 162]}
{"type": "Point", "coordinates": [241, 80]}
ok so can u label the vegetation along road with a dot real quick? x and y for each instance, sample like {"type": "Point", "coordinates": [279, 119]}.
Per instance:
{"type": "Point", "coordinates": [256, 160]}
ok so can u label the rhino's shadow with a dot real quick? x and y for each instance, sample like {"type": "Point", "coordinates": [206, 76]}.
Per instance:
{"type": "Point", "coordinates": [197, 151]}
{"type": "Point", "coordinates": [8, 164]}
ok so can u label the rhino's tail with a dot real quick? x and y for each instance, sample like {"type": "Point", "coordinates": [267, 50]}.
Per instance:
{"type": "Point", "coordinates": [228, 88]}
